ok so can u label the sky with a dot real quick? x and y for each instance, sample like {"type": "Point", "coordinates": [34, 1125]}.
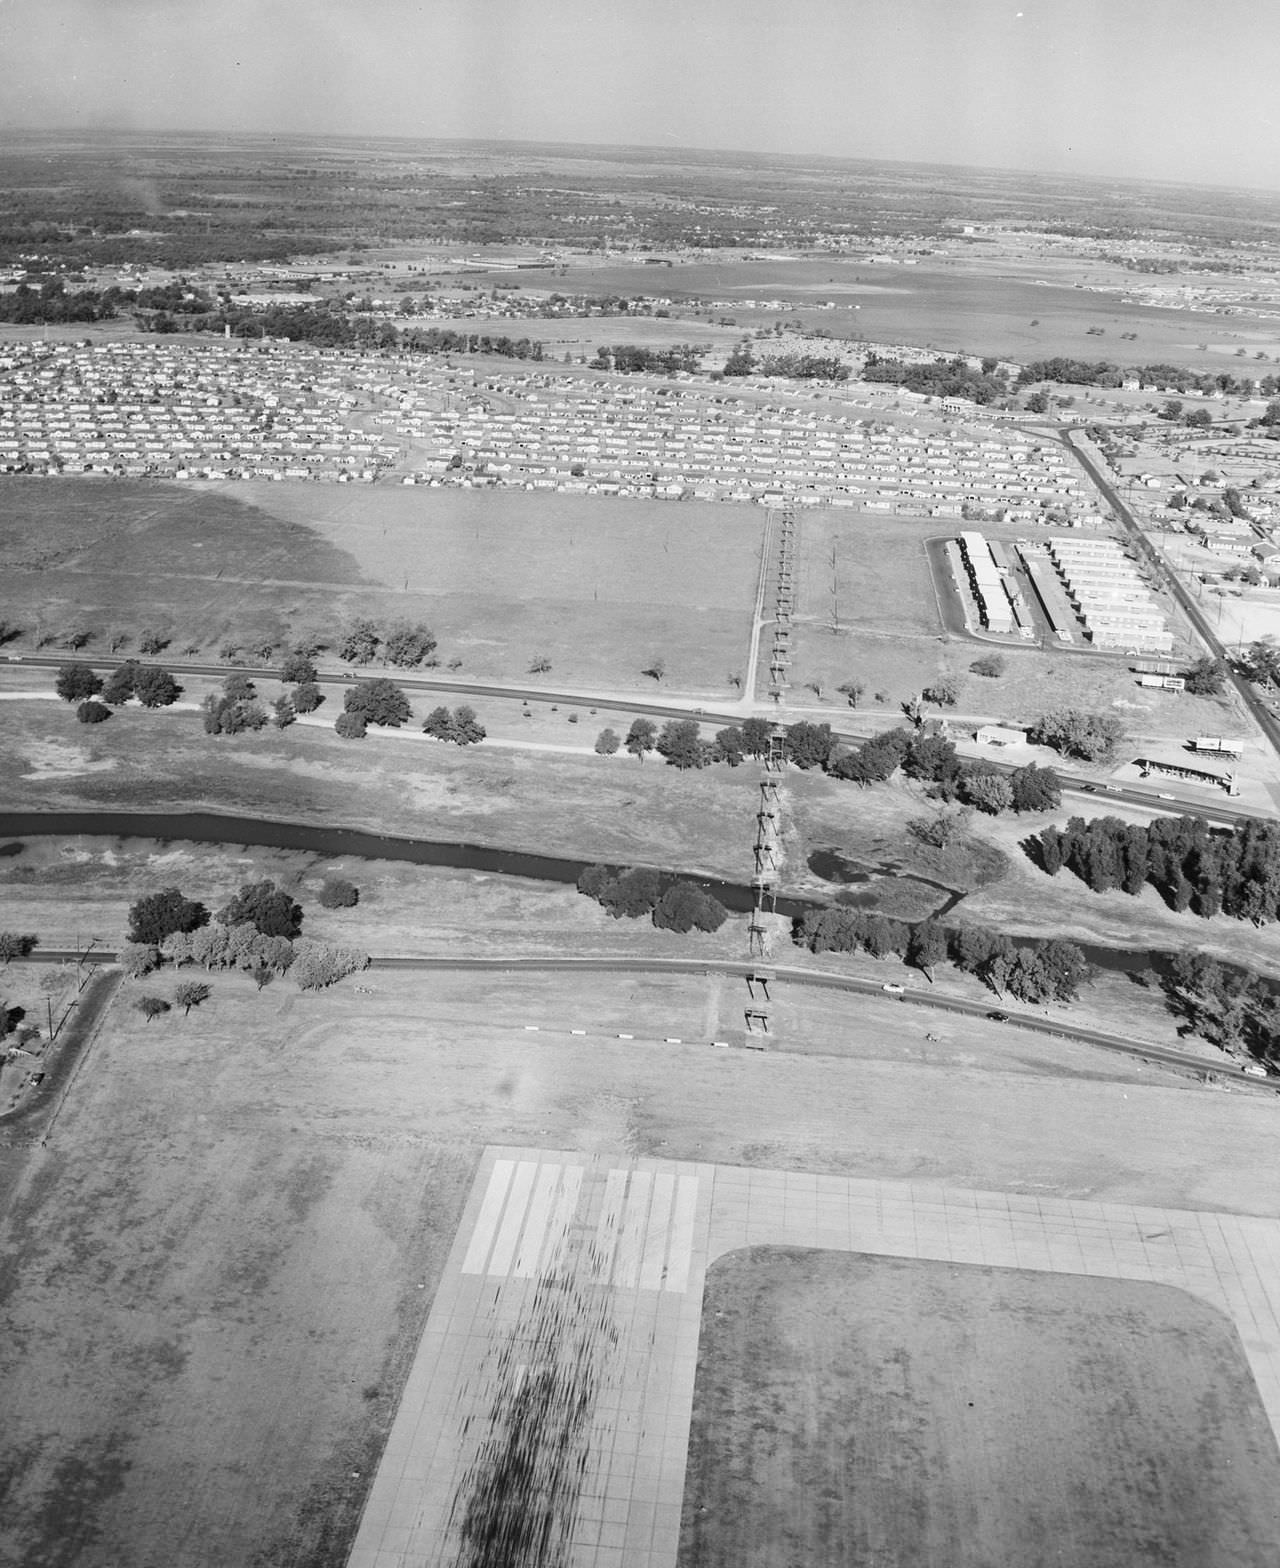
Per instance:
{"type": "Point", "coordinates": [1181, 90]}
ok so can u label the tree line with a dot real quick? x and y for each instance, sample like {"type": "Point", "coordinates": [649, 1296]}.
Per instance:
{"type": "Point", "coordinates": [940, 377]}
{"type": "Point", "coordinates": [632, 358]}
{"type": "Point", "coordinates": [1230, 871]}
{"type": "Point", "coordinates": [671, 903]}
{"type": "Point", "coordinates": [1032, 972]}
{"type": "Point", "coordinates": [259, 931]}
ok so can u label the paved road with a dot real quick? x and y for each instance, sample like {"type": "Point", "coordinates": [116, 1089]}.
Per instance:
{"type": "Point", "coordinates": [911, 996]}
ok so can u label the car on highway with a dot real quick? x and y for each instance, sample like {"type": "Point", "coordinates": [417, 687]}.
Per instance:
{"type": "Point", "coordinates": [894, 989]}
{"type": "Point", "coordinates": [998, 1018]}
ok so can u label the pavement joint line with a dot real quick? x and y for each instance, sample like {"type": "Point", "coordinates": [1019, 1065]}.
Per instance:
{"type": "Point", "coordinates": [642, 1268]}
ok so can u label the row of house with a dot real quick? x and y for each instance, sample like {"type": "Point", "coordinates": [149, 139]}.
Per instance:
{"type": "Point", "coordinates": [180, 411]}
{"type": "Point", "coordinates": [620, 437]}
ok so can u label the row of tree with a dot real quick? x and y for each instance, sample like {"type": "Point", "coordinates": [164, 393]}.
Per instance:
{"type": "Point", "coordinates": [1208, 870]}
{"type": "Point", "coordinates": [1039, 972]}
{"type": "Point", "coordinates": [632, 358]}
{"type": "Point", "coordinates": [258, 931]}
{"type": "Point", "coordinates": [940, 377]}
{"type": "Point", "coordinates": [796, 367]}
{"type": "Point", "coordinates": [406, 644]}
{"type": "Point", "coordinates": [672, 905]}
{"type": "Point", "coordinates": [1103, 373]}
{"type": "Point", "coordinates": [153, 686]}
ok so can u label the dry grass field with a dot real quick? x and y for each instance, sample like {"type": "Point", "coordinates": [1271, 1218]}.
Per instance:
{"type": "Point", "coordinates": [215, 1275]}
{"type": "Point", "coordinates": [853, 1409]}
{"type": "Point", "coordinates": [601, 587]}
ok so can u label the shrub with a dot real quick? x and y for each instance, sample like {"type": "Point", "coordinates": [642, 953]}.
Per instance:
{"type": "Point", "coordinates": [351, 726]}
{"type": "Point", "coordinates": [607, 742]}
{"type": "Point", "coordinates": [92, 712]}
{"type": "Point", "coordinates": [337, 893]}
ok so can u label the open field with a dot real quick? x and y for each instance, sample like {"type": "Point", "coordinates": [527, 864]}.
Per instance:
{"type": "Point", "coordinates": [600, 587]}
{"type": "Point", "coordinates": [216, 1274]}
{"type": "Point", "coordinates": [903, 1411]}
{"type": "Point", "coordinates": [584, 806]}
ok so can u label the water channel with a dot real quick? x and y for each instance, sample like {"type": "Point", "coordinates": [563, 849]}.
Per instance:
{"type": "Point", "coordinates": [209, 827]}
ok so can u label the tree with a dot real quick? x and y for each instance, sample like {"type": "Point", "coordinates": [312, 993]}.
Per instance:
{"type": "Point", "coordinates": [151, 1006]}
{"type": "Point", "coordinates": [408, 644]}
{"type": "Point", "coordinates": [93, 712]}
{"type": "Point", "coordinates": [360, 642]}
{"type": "Point", "coordinates": [990, 664]}
{"type": "Point", "coordinates": [728, 746]}
{"type": "Point", "coordinates": [138, 958]}
{"type": "Point", "coordinates": [1261, 661]}
{"type": "Point", "coordinates": [190, 993]}
{"type": "Point", "coordinates": [351, 726]}
{"type": "Point", "coordinates": [76, 681]}
{"type": "Point", "coordinates": [237, 687]}
{"type": "Point", "coordinates": [809, 745]}
{"type": "Point", "coordinates": [927, 947]}
{"type": "Point", "coordinates": [297, 667]}
{"type": "Point", "coordinates": [640, 738]}
{"type": "Point", "coordinates": [943, 691]}
{"type": "Point", "coordinates": [438, 723]}
{"type": "Point", "coordinates": [986, 789]}
{"type": "Point", "coordinates": [378, 702]}
{"type": "Point", "coordinates": [307, 697]}
{"type": "Point", "coordinates": [1092, 736]}
{"type": "Point", "coordinates": [685, 907]}
{"type": "Point", "coordinates": [285, 712]}
{"type": "Point", "coordinates": [465, 729]}
{"type": "Point", "coordinates": [680, 743]}
{"type": "Point", "coordinates": [1171, 409]}
{"type": "Point", "coordinates": [268, 908]}
{"type": "Point", "coordinates": [657, 669]}
{"type": "Point", "coordinates": [852, 690]}
{"type": "Point", "coordinates": [756, 737]}
{"type": "Point", "coordinates": [539, 665]}
{"type": "Point", "coordinates": [1038, 403]}
{"type": "Point", "coordinates": [154, 916]}
{"type": "Point", "coordinates": [320, 964]}
{"type": "Point", "coordinates": [152, 642]}
{"type": "Point", "coordinates": [14, 944]}
{"type": "Point", "coordinates": [120, 683]}
{"type": "Point", "coordinates": [338, 893]}
{"type": "Point", "coordinates": [154, 687]}
{"type": "Point", "coordinates": [607, 743]}
{"type": "Point", "coordinates": [1035, 789]}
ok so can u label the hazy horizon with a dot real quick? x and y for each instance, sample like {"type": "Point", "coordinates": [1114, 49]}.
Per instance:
{"type": "Point", "coordinates": [1099, 89]}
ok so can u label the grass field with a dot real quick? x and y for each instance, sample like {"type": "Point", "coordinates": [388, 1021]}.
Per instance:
{"type": "Point", "coordinates": [601, 587]}
{"type": "Point", "coordinates": [854, 1409]}
{"type": "Point", "coordinates": [594, 808]}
